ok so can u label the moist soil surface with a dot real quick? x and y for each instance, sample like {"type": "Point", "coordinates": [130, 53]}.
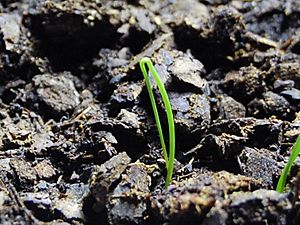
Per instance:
{"type": "Point", "coordinates": [78, 140]}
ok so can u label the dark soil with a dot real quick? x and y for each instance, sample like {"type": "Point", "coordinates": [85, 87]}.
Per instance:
{"type": "Point", "coordinates": [78, 141]}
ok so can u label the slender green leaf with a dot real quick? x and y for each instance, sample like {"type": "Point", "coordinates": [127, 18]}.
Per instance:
{"type": "Point", "coordinates": [294, 154]}
{"type": "Point", "coordinates": [169, 157]}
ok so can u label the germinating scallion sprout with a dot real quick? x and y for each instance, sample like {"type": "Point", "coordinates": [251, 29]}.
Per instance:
{"type": "Point", "coordinates": [168, 156]}
{"type": "Point", "coordinates": [294, 154]}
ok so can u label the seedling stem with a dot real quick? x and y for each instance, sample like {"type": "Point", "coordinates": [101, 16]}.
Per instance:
{"type": "Point", "coordinates": [169, 158]}
{"type": "Point", "coordinates": [294, 154]}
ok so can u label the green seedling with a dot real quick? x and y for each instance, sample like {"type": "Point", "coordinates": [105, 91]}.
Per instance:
{"type": "Point", "coordinates": [169, 157]}
{"type": "Point", "coordinates": [294, 154]}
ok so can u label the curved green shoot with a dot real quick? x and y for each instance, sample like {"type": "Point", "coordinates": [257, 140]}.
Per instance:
{"type": "Point", "coordinates": [294, 154]}
{"type": "Point", "coordinates": [169, 157]}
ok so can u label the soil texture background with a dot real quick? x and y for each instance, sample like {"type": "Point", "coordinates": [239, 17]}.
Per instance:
{"type": "Point", "coordinates": [78, 140]}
